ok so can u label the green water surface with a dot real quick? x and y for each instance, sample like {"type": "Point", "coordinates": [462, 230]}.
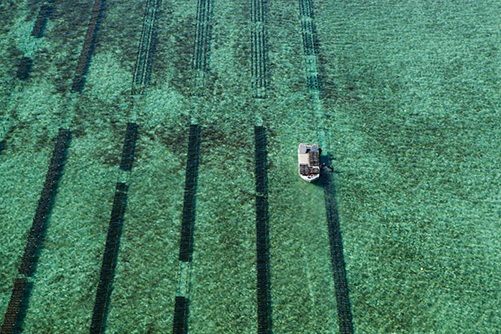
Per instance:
{"type": "Point", "coordinates": [411, 112]}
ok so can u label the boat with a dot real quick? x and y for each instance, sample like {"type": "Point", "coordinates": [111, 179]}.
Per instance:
{"type": "Point", "coordinates": [308, 157]}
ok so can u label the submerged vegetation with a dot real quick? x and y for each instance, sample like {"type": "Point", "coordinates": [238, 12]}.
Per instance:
{"type": "Point", "coordinates": [410, 110]}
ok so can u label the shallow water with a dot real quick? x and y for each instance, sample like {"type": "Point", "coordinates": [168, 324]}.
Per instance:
{"type": "Point", "coordinates": [407, 111]}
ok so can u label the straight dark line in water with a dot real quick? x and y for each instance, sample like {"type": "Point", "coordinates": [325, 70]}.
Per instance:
{"type": "Point", "coordinates": [147, 45]}
{"type": "Point", "coordinates": [103, 293]}
{"type": "Point", "coordinates": [259, 48]}
{"type": "Point", "coordinates": [180, 325]}
{"type": "Point", "coordinates": [190, 188]}
{"type": "Point", "coordinates": [24, 68]}
{"type": "Point", "coordinates": [26, 63]}
{"type": "Point", "coordinates": [180, 316]}
{"type": "Point", "coordinates": [5, 134]}
{"type": "Point", "coordinates": [259, 8]}
{"type": "Point", "coordinates": [12, 321]}
{"type": "Point", "coordinates": [88, 46]}
{"type": "Point", "coordinates": [111, 248]}
{"type": "Point", "coordinates": [203, 35]}
{"type": "Point", "coordinates": [345, 320]}
{"type": "Point", "coordinates": [262, 233]}
{"type": "Point", "coordinates": [45, 203]}
{"type": "Point", "coordinates": [43, 16]}
{"type": "Point", "coordinates": [259, 62]}
{"type": "Point", "coordinates": [308, 33]}
{"type": "Point", "coordinates": [129, 147]}
{"type": "Point", "coordinates": [310, 45]}
{"type": "Point", "coordinates": [15, 314]}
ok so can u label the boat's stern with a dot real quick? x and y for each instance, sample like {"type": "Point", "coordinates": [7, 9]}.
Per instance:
{"type": "Point", "coordinates": [310, 177]}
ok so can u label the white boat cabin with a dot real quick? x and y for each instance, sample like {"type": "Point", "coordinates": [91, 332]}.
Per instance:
{"type": "Point", "coordinates": [308, 162]}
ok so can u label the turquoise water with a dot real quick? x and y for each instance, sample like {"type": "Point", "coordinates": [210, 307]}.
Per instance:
{"type": "Point", "coordinates": [409, 113]}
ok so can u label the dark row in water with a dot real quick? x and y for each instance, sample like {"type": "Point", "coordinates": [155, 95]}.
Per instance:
{"type": "Point", "coordinates": [142, 77]}
{"type": "Point", "coordinates": [88, 46]}
{"type": "Point", "coordinates": [203, 35]}
{"type": "Point", "coordinates": [186, 241]}
{"type": "Point", "coordinates": [259, 48]}
{"type": "Point", "coordinates": [111, 248]}
{"type": "Point", "coordinates": [17, 305]}
{"type": "Point", "coordinates": [26, 63]}
{"type": "Point", "coordinates": [264, 316]}
{"type": "Point", "coordinates": [147, 46]}
{"type": "Point", "coordinates": [314, 83]}
{"type": "Point", "coordinates": [310, 44]}
{"type": "Point", "coordinates": [181, 307]}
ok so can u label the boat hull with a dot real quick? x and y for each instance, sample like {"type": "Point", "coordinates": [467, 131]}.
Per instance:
{"type": "Point", "coordinates": [308, 157]}
{"type": "Point", "coordinates": [310, 179]}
